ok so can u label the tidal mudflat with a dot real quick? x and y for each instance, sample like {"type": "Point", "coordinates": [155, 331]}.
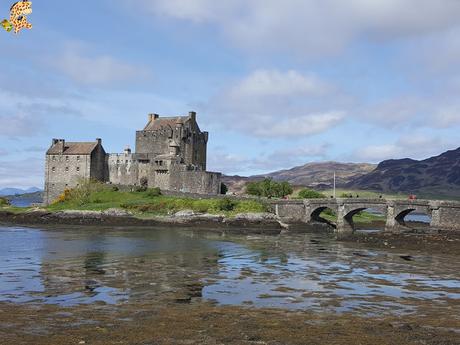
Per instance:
{"type": "Point", "coordinates": [94, 285]}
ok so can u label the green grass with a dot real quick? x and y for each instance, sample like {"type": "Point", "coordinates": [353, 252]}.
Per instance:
{"type": "Point", "coordinates": [361, 217]}
{"type": "Point", "coordinates": [147, 203]}
{"type": "Point", "coordinates": [365, 194]}
{"type": "Point", "coordinates": [4, 202]}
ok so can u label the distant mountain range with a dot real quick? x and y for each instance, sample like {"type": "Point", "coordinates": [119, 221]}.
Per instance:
{"type": "Point", "coordinates": [436, 176]}
{"type": "Point", "coordinates": [319, 176]}
{"type": "Point", "coordinates": [18, 191]}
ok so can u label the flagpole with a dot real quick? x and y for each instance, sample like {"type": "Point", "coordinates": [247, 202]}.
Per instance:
{"type": "Point", "coordinates": [334, 184]}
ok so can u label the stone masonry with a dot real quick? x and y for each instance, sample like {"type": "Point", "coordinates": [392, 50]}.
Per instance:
{"type": "Point", "coordinates": [170, 154]}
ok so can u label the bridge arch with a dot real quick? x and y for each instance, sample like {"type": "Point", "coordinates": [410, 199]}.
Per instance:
{"type": "Point", "coordinates": [315, 215]}
{"type": "Point", "coordinates": [401, 216]}
{"type": "Point", "coordinates": [348, 218]}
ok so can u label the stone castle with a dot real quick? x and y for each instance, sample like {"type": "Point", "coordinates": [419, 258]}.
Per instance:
{"type": "Point", "coordinates": [170, 154]}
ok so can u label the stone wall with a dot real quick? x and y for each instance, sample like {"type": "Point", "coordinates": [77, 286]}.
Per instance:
{"type": "Point", "coordinates": [99, 169]}
{"type": "Point", "coordinates": [192, 142]}
{"type": "Point", "coordinates": [64, 171]}
{"type": "Point", "coordinates": [446, 215]}
{"type": "Point", "coordinates": [123, 170]}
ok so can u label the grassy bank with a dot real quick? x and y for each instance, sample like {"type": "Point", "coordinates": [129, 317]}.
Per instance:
{"type": "Point", "coordinates": [364, 194]}
{"type": "Point", "coordinates": [98, 197]}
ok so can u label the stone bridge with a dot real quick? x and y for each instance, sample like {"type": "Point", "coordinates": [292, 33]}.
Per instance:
{"type": "Point", "coordinates": [444, 214]}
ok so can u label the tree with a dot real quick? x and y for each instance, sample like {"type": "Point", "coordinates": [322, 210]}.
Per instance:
{"type": "Point", "coordinates": [310, 194]}
{"type": "Point", "coordinates": [269, 188]}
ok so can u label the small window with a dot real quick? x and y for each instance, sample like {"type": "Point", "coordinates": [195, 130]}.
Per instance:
{"type": "Point", "coordinates": [126, 162]}
{"type": "Point", "coordinates": [53, 169]}
{"type": "Point", "coordinates": [66, 168]}
{"type": "Point", "coordinates": [78, 168]}
{"type": "Point", "coordinates": [66, 158]}
{"type": "Point", "coordinates": [78, 158]}
{"type": "Point", "coordinates": [53, 158]}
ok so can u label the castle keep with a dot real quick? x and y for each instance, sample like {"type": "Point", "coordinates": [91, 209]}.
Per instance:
{"type": "Point", "coordinates": [170, 154]}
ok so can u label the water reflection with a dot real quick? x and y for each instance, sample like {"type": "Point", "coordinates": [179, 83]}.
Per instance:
{"type": "Point", "coordinates": [116, 266]}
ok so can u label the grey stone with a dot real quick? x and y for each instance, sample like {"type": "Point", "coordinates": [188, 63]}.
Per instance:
{"type": "Point", "coordinates": [170, 154]}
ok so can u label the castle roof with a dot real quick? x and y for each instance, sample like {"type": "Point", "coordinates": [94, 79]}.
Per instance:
{"type": "Point", "coordinates": [73, 148]}
{"type": "Point", "coordinates": [157, 123]}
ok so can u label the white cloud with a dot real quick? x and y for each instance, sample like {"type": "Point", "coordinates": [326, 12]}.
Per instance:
{"type": "Point", "coordinates": [446, 116]}
{"type": "Point", "coordinates": [22, 173]}
{"type": "Point", "coordinates": [304, 125]}
{"type": "Point", "coordinates": [284, 158]}
{"type": "Point", "coordinates": [25, 116]}
{"type": "Point", "coordinates": [311, 27]}
{"type": "Point", "coordinates": [272, 103]}
{"type": "Point", "coordinates": [92, 69]}
{"type": "Point", "coordinates": [415, 146]}
{"type": "Point", "coordinates": [267, 83]}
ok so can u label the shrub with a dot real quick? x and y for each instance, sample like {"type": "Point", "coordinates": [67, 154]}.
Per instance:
{"type": "Point", "coordinates": [4, 202]}
{"type": "Point", "coordinates": [269, 188]}
{"type": "Point", "coordinates": [310, 194]}
{"type": "Point", "coordinates": [115, 189]}
{"type": "Point", "coordinates": [153, 192]}
{"type": "Point", "coordinates": [144, 183]}
{"type": "Point", "coordinates": [346, 195]}
{"type": "Point", "coordinates": [226, 204]}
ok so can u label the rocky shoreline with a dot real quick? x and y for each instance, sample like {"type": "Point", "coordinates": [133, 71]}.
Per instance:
{"type": "Point", "coordinates": [258, 223]}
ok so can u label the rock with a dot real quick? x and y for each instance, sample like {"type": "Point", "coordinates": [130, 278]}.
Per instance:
{"type": "Point", "coordinates": [116, 212]}
{"type": "Point", "coordinates": [255, 216]}
{"type": "Point", "coordinates": [184, 213]}
{"type": "Point", "coordinates": [79, 214]}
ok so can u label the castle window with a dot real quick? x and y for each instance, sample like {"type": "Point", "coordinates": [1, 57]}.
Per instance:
{"type": "Point", "coordinates": [126, 161]}
{"type": "Point", "coordinates": [53, 169]}
{"type": "Point", "coordinates": [66, 158]}
{"type": "Point", "coordinates": [78, 168]}
{"type": "Point", "coordinates": [78, 158]}
{"type": "Point", "coordinates": [66, 168]}
{"type": "Point", "coordinates": [161, 162]}
{"type": "Point", "coordinates": [53, 158]}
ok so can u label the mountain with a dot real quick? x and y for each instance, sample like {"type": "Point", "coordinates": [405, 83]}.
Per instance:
{"type": "Point", "coordinates": [439, 175]}
{"type": "Point", "coordinates": [15, 191]}
{"type": "Point", "coordinates": [27, 199]}
{"type": "Point", "coordinates": [321, 175]}
{"type": "Point", "coordinates": [313, 175]}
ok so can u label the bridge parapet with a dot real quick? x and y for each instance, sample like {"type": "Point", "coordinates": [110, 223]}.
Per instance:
{"type": "Point", "coordinates": [444, 214]}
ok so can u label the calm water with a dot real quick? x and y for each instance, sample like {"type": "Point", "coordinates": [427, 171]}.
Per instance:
{"type": "Point", "coordinates": [74, 266]}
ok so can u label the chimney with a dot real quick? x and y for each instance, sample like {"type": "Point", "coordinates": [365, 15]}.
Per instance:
{"type": "Point", "coordinates": [192, 114]}
{"type": "Point", "coordinates": [60, 144]}
{"type": "Point", "coordinates": [54, 141]}
{"type": "Point", "coordinates": [99, 141]}
{"type": "Point", "coordinates": [153, 117]}
{"type": "Point", "coordinates": [127, 150]}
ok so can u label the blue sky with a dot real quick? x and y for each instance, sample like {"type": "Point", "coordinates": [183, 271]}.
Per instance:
{"type": "Point", "coordinates": [276, 83]}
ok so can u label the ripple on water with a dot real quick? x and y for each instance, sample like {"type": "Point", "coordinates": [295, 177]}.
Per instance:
{"type": "Point", "coordinates": [75, 266]}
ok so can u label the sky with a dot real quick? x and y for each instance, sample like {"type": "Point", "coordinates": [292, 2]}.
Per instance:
{"type": "Point", "coordinates": [275, 83]}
